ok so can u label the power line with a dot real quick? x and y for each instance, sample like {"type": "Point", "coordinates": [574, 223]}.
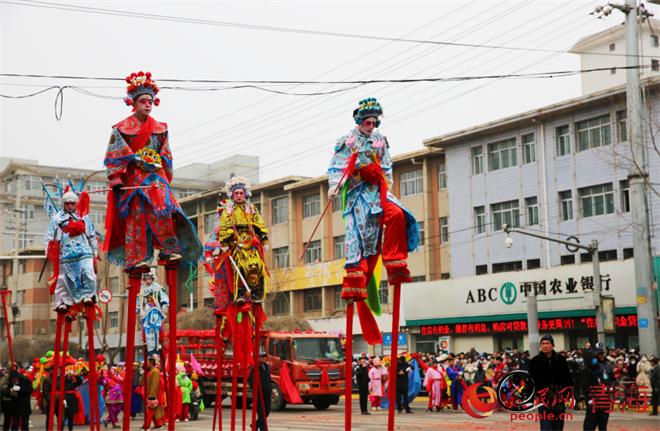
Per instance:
{"type": "Point", "coordinates": [243, 26]}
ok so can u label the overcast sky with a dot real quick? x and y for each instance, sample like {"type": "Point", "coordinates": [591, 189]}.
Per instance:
{"type": "Point", "coordinates": [292, 134]}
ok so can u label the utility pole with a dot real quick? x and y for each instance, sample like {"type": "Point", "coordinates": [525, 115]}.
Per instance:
{"type": "Point", "coordinates": [638, 180]}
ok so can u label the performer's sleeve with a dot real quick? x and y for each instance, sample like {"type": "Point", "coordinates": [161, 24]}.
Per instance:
{"type": "Point", "coordinates": [166, 156]}
{"type": "Point", "coordinates": [91, 234]}
{"type": "Point", "coordinates": [260, 226]}
{"type": "Point", "coordinates": [117, 158]}
{"type": "Point", "coordinates": [337, 164]}
{"type": "Point", "coordinates": [225, 231]}
{"type": "Point", "coordinates": [164, 298]}
{"type": "Point", "coordinates": [386, 163]}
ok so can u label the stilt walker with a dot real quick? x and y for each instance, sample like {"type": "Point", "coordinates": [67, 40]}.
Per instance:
{"type": "Point", "coordinates": [361, 170]}
{"type": "Point", "coordinates": [235, 259]}
{"type": "Point", "coordinates": [143, 213]}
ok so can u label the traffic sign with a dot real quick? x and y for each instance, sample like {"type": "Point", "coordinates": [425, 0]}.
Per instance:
{"type": "Point", "coordinates": [105, 296]}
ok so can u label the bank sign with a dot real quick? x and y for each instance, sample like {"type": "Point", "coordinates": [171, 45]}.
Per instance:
{"type": "Point", "coordinates": [561, 288]}
{"type": "Point", "coordinates": [508, 292]}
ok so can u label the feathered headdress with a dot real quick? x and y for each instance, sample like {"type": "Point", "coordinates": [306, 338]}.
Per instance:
{"type": "Point", "coordinates": [138, 84]}
{"type": "Point", "coordinates": [238, 183]}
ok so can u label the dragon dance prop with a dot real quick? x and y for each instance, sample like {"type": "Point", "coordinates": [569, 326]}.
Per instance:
{"type": "Point", "coordinates": [68, 230]}
{"type": "Point", "coordinates": [235, 261]}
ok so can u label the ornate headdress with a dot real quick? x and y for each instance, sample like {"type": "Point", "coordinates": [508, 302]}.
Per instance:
{"type": "Point", "coordinates": [238, 183]}
{"type": "Point", "coordinates": [369, 107]}
{"type": "Point", "coordinates": [138, 84]}
{"type": "Point", "coordinates": [69, 196]}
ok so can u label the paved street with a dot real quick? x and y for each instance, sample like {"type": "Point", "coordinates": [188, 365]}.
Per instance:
{"type": "Point", "coordinates": [306, 418]}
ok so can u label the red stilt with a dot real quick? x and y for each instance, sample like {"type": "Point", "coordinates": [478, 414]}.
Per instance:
{"type": "Point", "coordinates": [394, 356]}
{"type": "Point", "coordinates": [256, 378]}
{"type": "Point", "coordinates": [217, 410]}
{"type": "Point", "coordinates": [244, 372]}
{"type": "Point", "coordinates": [94, 419]}
{"type": "Point", "coordinates": [62, 371]}
{"type": "Point", "coordinates": [55, 368]}
{"type": "Point", "coordinates": [348, 368]}
{"type": "Point", "coordinates": [234, 388]}
{"type": "Point", "coordinates": [3, 294]}
{"type": "Point", "coordinates": [134, 281]}
{"type": "Point", "coordinates": [145, 366]}
{"type": "Point", "coordinates": [171, 276]}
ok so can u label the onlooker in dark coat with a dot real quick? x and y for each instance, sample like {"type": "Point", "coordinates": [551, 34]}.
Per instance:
{"type": "Point", "coordinates": [600, 379]}
{"type": "Point", "coordinates": [655, 387]}
{"type": "Point", "coordinates": [551, 375]}
{"type": "Point", "coordinates": [17, 412]}
{"type": "Point", "coordinates": [403, 370]}
{"type": "Point", "coordinates": [264, 399]}
{"type": "Point", "coordinates": [362, 380]}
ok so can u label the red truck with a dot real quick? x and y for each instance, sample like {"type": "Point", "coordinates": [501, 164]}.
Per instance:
{"type": "Point", "coordinates": [307, 355]}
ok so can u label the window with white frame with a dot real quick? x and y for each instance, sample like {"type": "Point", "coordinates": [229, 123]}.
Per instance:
{"type": "Point", "coordinates": [94, 186]}
{"type": "Point", "coordinates": [422, 234]}
{"type": "Point", "coordinates": [411, 183]}
{"type": "Point", "coordinates": [281, 257]}
{"type": "Point", "coordinates": [98, 217]}
{"type": "Point", "coordinates": [529, 148]}
{"type": "Point", "coordinates": [596, 200]}
{"type": "Point", "coordinates": [654, 40]}
{"type": "Point", "coordinates": [442, 175]}
{"type": "Point", "coordinates": [210, 221]}
{"type": "Point", "coordinates": [505, 213]}
{"type": "Point", "coordinates": [114, 284]}
{"type": "Point", "coordinates": [502, 154]}
{"type": "Point", "coordinates": [384, 292]}
{"type": "Point", "coordinates": [477, 154]}
{"type": "Point", "coordinates": [562, 141]}
{"type": "Point", "coordinates": [622, 125]}
{"type": "Point", "coordinates": [313, 252]}
{"type": "Point", "coordinates": [311, 205]}
{"type": "Point", "coordinates": [340, 304]}
{"type": "Point", "coordinates": [566, 205]}
{"type": "Point", "coordinates": [281, 304]}
{"type": "Point", "coordinates": [444, 229]}
{"type": "Point", "coordinates": [532, 211]}
{"type": "Point", "coordinates": [624, 187]}
{"type": "Point", "coordinates": [479, 220]}
{"type": "Point", "coordinates": [27, 212]}
{"type": "Point", "coordinates": [336, 202]}
{"type": "Point", "coordinates": [594, 132]}
{"type": "Point", "coordinates": [280, 210]}
{"type": "Point", "coordinates": [113, 319]}
{"type": "Point", "coordinates": [339, 246]}
{"type": "Point", "coordinates": [184, 193]}
{"type": "Point", "coordinates": [32, 182]}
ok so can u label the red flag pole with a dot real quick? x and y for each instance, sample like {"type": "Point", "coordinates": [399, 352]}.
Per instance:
{"type": "Point", "coordinates": [4, 294]}
{"type": "Point", "coordinates": [54, 368]}
{"type": "Point", "coordinates": [65, 350]}
{"type": "Point", "coordinates": [348, 367]}
{"type": "Point", "coordinates": [234, 388]}
{"type": "Point", "coordinates": [94, 419]}
{"type": "Point", "coordinates": [217, 406]}
{"type": "Point", "coordinates": [394, 356]}
{"type": "Point", "coordinates": [134, 281]}
{"type": "Point", "coordinates": [171, 275]}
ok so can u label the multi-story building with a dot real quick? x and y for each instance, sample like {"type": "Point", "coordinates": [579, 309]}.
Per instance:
{"type": "Point", "coordinates": [560, 170]}
{"type": "Point", "coordinates": [309, 286]}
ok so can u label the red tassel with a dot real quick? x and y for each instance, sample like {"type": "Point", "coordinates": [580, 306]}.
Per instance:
{"type": "Point", "coordinates": [75, 227]}
{"type": "Point", "coordinates": [289, 391]}
{"type": "Point", "coordinates": [53, 255]}
{"type": "Point", "coordinates": [83, 204]}
{"type": "Point", "coordinates": [370, 331]}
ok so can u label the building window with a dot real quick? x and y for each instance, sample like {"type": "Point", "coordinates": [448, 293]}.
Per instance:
{"type": "Point", "coordinates": [654, 40]}
{"type": "Point", "coordinates": [281, 304]}
{"type": "Point", "coordinates": [612, 70]}
{"type": "Point", "coordinates": [507, 266]}
{"type": "Point", "coordinates": [209, 302]}
{"type": "Point", "coordinates": [596, 200]}
{"type": "Point", "coordinates": [505, 213]}
{"type": "Point", "coordinates": [313, 253]}
{"type": "Point", "coordinates": [622, 124]}
{"type": "Point", "coordinates": [566, 204]}
{"type": "Point", "coordinates": [94, 186]}
{"type": "Point", "coordinates": [567, 260]}
{"type": "Point", "coordinates": [114, 284]}
{"type": "Point", "coordinates": [481, 269]}
{"type": "Point", "coordinates": [612, 46]}
{"type": "Point", "coordinates": [411, 183]}
{"type": "Point", "coordinates": [594, 132]}
{"type": "Point", "coordinates": [532, 211]}
{"type": "Point", "coordinates": [313, 299]}
{"type": "Point", "coordinates": [336, 202]}
{"type": "Point", "coordinates": [339, 246]}
{"type": "Point", "coordinates": [624, 186]}
{"type": "Point", "coordinates": [311, 205]}
{"type": "Point", "coordinates": [477, 160]}
{"type": "Point", "coordinates": [502, 154]}
{"type": "Point", "coordinates": [603, 256]}
{"type": "Point", "coordinates": [479, 220]}
{"type": "Point", "coordinates": [655, 65]}
{"type": "Point", "coordinates": [26, 212]}
{"type": "Point", "coordinates": [422, 233]}
{"type": "Point", "coordinates": [384, 292]}
{"type": "Point", "coordinates": [442, 175]}
{"type": "Point", "coordinates": [533, 263]}
{"type": "Point", "coordinates": [340, 304]}
{"type": "Point", "coordinates": [529, 148]}
{"type": "Point", "coordinates": [98, 217]}
{"type": "Point", "coordinates": [444, 229]}
{"type": "Point", "coordinates": [32, 183]}
{"type": "Point", "coordinates": [281, 257]}
{"type": "Point", "coordinates": [562, 141]}
{"type": "Point", "coordinates": [280, 210]}
{"type": "Point", "coordinates": [445, 276]}
{"type": "Point", "coordinates": [628, 253]}
{"type": "Point", "coordinates": [185, 193]}
{"type": "Point", "coordinates": [417, 278]}
{"type": "Point", "coordinates": [113, 319]}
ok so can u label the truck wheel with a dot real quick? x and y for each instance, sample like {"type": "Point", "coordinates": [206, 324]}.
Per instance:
{"type": "Point", "coordinates": [321, 403]}
{"type": "Point", "coordinates": [277, 401]}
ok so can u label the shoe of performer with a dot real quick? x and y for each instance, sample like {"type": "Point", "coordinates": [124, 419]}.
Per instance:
{"type": "Point", "coordinates": [365, 413]}
{"type": "Point", "coordinates": [62, 308]}
{"type": "Point", "coordinates": [174, 257]}
{"type": "Point", "coordinates": [88, 301]}
{"type": "Point", "coordinates": [141, 265]}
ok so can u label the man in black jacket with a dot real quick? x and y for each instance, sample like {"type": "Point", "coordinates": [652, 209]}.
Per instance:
{"type": "Point", "coordinates": [362, 380]}
{"type": "Point", "coordinates": [600, 393]}
{"type": "Point", "coordinates": [402, 371]}
{"type": "Point", "coordinates": [18, 389]}
{"type": "Point", "coordinates": [263, 398]}
{"type": "Point", "coordinates": [655, 387]}
{"type": "Point", "coordinates": [551, 375]}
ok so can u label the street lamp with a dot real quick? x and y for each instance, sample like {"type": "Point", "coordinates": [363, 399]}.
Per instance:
{"type": "Point", "coordinates": [573, 246]}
